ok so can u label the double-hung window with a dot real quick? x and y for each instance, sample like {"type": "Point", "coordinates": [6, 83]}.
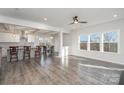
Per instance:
{"type": "Point", "coordinates": [83, 42]}
{"type": "Point", "coordinates": [95, 42]}
{"type": "Point", "coordinates": [111, 42]}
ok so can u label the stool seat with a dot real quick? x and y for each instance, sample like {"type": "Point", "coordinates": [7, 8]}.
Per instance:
{"type": "Point", "coordinates": [13, 53]}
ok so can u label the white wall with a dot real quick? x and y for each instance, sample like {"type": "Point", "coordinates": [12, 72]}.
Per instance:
{"type": "Point", "coordinates": [67, 41]}
{"type": "Point", "coordinates": [110, 26]}
{"type": "Point", "coordinates": [56, 43]}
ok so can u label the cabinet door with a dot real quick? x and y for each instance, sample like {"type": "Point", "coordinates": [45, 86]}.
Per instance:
{"type": "Point", "coordinates": [8, 37]}
{"type": "Point", "coordinates": [15, 38]}
{"type": "Point", "coordinates": [31, 38]}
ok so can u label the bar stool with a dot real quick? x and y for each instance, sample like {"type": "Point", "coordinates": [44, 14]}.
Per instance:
{"type": "Point", "coordinates": [44, 49]}
{"type": "Point", "coordinates": [26, 53]}
{"type": "Point", "coordinates": [38, 51]}
{"type": "Point", "coordinates": [13, 52]}
{"type": "Point", "coordinates": [52, 49]}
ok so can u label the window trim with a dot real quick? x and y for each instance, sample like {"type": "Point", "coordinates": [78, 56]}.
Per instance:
{"type": "Point", "coordinates": [94, 42]}
{"type": "Point", "coordinates": [79, 43]}
{"type": "Point", "coordinates": [118, 41]}
{"type": "Point", "coordinates": [101, 42]}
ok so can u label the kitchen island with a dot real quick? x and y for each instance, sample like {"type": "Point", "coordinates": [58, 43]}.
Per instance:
{"type": "Point", "coordinates": [20, 53]}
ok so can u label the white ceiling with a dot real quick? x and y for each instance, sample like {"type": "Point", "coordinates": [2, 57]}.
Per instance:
{"type": "Point", "coordinates": [61, 17]}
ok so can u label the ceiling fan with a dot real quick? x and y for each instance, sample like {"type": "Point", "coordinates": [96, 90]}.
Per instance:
{"type": "Point", "coordinates": [76, 21]}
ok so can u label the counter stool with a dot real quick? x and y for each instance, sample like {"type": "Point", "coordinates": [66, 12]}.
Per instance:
{"type": "Point", "coordinates": [38, 51]}
{"type": "Point", "coordinates": [27, 50]}
{"type": "Point", "coordinates": [13, 52]}
{"type": "Point", "coordinates": [52, 49]}
{"type": "Point", "coordinates": [44, 49]}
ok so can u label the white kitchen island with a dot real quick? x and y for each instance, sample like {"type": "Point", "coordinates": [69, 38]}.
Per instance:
{"type": "Point", "coordinates": [20, 53]}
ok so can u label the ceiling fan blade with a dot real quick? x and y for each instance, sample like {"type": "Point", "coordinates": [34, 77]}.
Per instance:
{"type": "Point", "coordinates": [76, 21]}
{"type": "Point", "coordinates": [71, 23]}
{"type": "Point", "coordinates": [82, 22]}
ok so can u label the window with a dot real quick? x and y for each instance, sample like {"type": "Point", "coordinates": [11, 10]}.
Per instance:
{"type": "Point", "coordinates": [104, 42]}
{"type": "Point", "coordinates": [95, 42]}
{"type": "Point", "coordinates": [110, 42]}
{"type": "Point", "coordinates": [83, 42]}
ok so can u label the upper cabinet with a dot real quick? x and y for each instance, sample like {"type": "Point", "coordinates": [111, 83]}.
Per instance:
{"type": "Point", "coordinates": [9, 37]}
{"type": "Point", "coordinates": [31, 38]}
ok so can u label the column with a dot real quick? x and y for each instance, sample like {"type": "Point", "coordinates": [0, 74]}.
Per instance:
{"type": "Point", "coordinates": [61, 44]}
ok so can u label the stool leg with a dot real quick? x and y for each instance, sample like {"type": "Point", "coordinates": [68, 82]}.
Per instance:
{"type": "Point", "coordinates": [17, 58]}
{"type": "Point", "coordinates": [35, 54]}
{"type": "Point", "coordinates": [10, 59]}
{"type": "Point", "coordinates": [29, 55]}
{"type": "Point", "coordinates": [24, 56]}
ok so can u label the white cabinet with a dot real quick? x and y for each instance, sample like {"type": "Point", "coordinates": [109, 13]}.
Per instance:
{"type": "Point", "coordinates": [14, 38]}
{"type": "Point", "coordinates": [9, 37]}
{"type": "Point", "coordinates": [31, 38]}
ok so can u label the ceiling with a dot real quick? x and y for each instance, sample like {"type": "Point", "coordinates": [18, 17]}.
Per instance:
{"type": "Point", "coordinates": [61, 17]}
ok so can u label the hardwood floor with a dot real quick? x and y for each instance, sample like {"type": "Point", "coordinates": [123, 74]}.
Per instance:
{"type": "Point", "coordinates": [51, 70]}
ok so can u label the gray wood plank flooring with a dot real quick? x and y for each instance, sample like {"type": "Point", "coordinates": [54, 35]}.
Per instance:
{"type": "Point", "coordinates": [51, 70]}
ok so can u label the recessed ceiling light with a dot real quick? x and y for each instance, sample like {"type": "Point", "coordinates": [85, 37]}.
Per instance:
{"type": "Point", "coordinates": [115, 15]}
{"type": "Point", "coordinates": [45, 19]}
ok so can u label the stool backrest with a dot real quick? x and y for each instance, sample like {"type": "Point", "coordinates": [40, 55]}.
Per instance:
{"type": "Point", "coordinates": [27, 48]}
{"type": "Point", "coordinates": [52, 47]}
{"type": "Point", "coordinates": [38, 48]}
{"type": "Point", "coordinates": [13, 49]}
{"type": "Point", "coordinates": [44, 47]}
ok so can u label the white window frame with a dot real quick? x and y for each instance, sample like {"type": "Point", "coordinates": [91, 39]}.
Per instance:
{"type": "Point", "coordinates": [90, 42]}
{"type": "Point", "coordinates": [118, 42]}
{"type": "Point", "coordinates": [79, 43]}
{"type": "Point", "coordinates": [101, 42]}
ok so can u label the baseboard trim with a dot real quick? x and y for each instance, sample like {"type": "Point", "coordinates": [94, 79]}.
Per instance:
{"type": "Point", "coordinates": [119, 63]}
